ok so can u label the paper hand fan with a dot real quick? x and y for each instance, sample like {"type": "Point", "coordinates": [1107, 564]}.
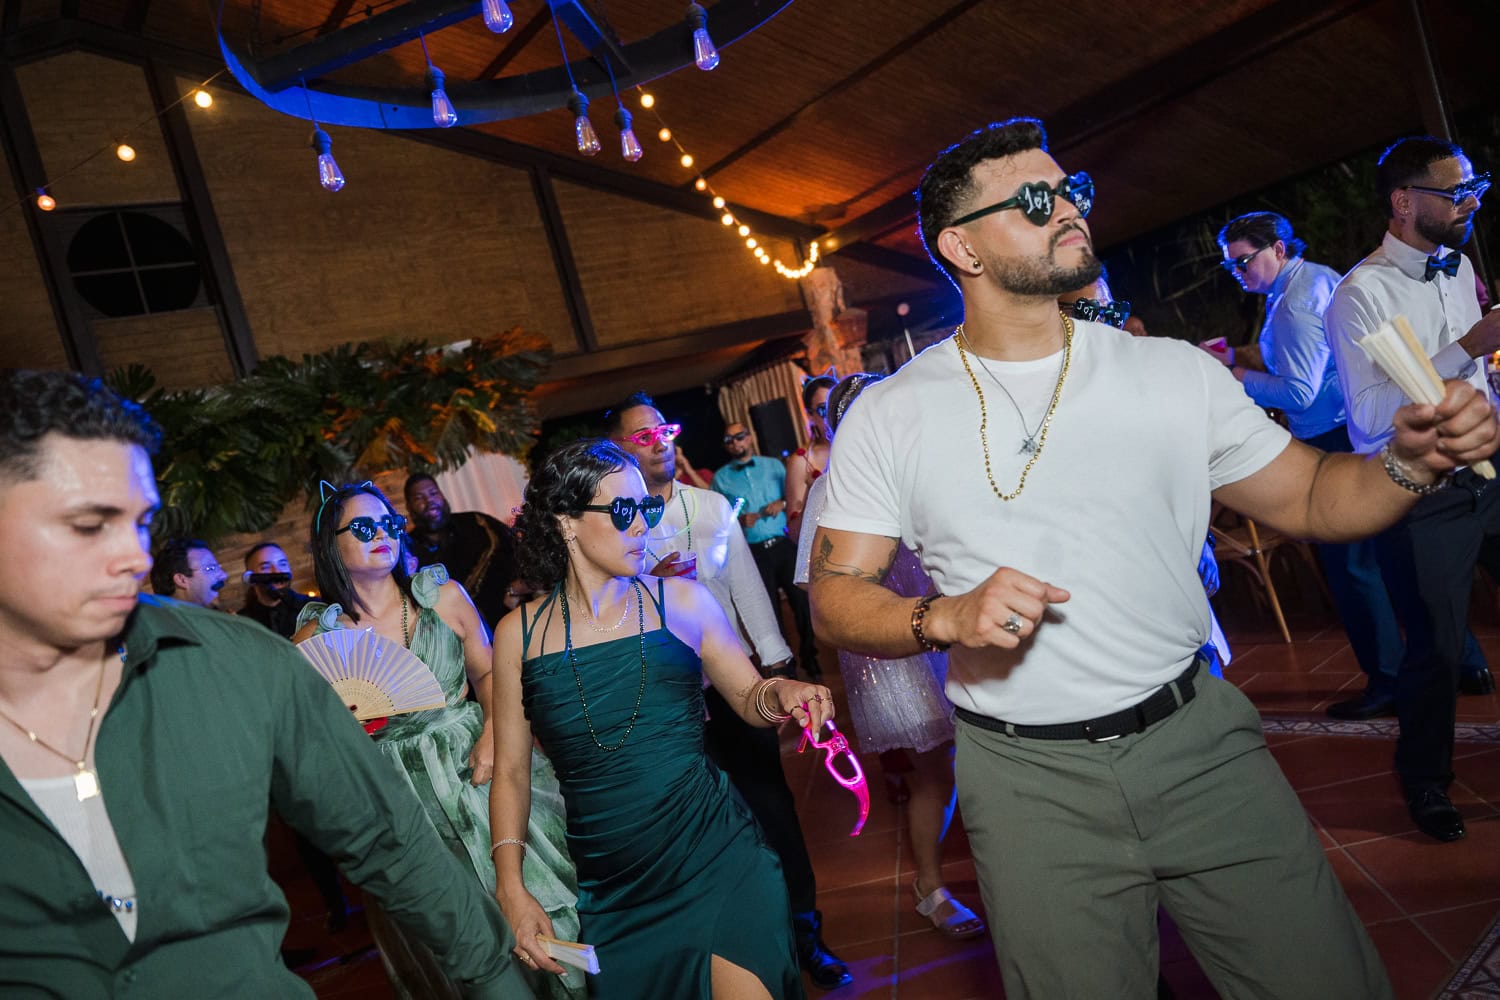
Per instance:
{"type": "Point", "coordinates": [374, 676]}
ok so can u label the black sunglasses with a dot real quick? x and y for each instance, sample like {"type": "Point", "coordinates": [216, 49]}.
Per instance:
{"type": "Point", "coordinates": [736, 437]}
{"type": "Point", "coordinates": [1475, 186]}
{"type": "Point", "coordinates": [1242, 262]}
{"type": "Point", "coordinates": [1037, 200]}
{"type": "Point", "coordinates": [363, 528]}
{"type": "Point", "coordinates": [621, 511]}
{"type": "Point", "coordinates": [1115, 313]}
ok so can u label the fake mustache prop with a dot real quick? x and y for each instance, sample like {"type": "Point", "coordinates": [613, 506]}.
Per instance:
{"type": "Point", "coordinates": [266, 579]}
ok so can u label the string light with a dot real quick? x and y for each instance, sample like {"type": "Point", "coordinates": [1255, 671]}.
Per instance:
{"type": "Point", "coordinates": [727, 219]}
{"type": "Point", "coordinates": [648, 102]}
{"type": "Point", "coordinates": [744, 230]}
{"type": "Point", "coordinates": [751, 243]}
{"type": "Point", "coordinates": [497, 16]}
{"type": "Point", "coordinates": [45, 201]}
{"type": "Point", "coordinates": [700, 184]}
{"type": "Point", "coordinates": [125, 152]}
{"type": "Point", "coordinates": [718, 202]}
{"type": "Point", "coordinates": [665, 135]}
{"type": "Point", "coordinates": [806, 268]}
{"type": "Point", "coordinates": [203, 98]}
{"type": "Point", "coordinates": [687, 159]}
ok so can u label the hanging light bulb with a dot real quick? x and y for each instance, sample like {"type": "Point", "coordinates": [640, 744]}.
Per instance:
{"type": "Point", "coordinates": [687, 159]}
{"type": "Point", "coordinates": [700, 184]}
{"type": "Point", "coordinates": [203, 99]}
{"type": "Point", "coordinates": [125, 152]}
{"type": "Point", "coordinates": [45, 201]}
{"type": "Point", "coordinates": [630, 147]}
{"type": "Point", "coordinates": [329, 174]}
{"type": "Point", "coordinates": [648, 101]}
{"type": "Point", "coordinates": [444, 115]}
{"type": "Point", "coordinates": [665, 135]}
{"type": "Point", "coordinates": [583, 129]}
{"type": "Point", "coordinates": [718, 201]}
{"type": "Point", "coordinates": [497, 16]}
{"type": "Point", "coordinates": [705, 56]}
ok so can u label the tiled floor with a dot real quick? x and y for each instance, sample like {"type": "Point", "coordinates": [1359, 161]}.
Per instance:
{"type": "Point", "coordinates": [1425, 904]}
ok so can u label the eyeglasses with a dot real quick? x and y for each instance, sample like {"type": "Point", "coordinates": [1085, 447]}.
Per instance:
{"type": "Point", "coordinates": [1037, 200]}
{"type": "Point", "coordinates": [621, 511]}
{"type": "Point", "coordinates": [1474, 187]}
{"type": "Point", "coordinates": [1242, 262]}
{"type": "Point", "coordinates": [363, 528]}
{"type": "Point", "coordinates": [647, 437]}
{"type": "Point", "coordinates": [728, 438]}
{"type": "Point", "coordinates": [205, 568]}
{"type": "Point", "coordinates": [1115, 313]}
{"type": "Point", "coordinates": [821, 409]}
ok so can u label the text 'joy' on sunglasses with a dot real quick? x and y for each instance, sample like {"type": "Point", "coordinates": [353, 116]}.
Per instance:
{"type": "Point", "coordinates": [1036, 200]}
{"type": "Point", "coordinates": [647, 437]}
{"type": "Point", "coordinates": [363, 528]}
{"type": "Point", "coordinates": [736, 437]}
{"type": "Point", "coordinates": [621, 510]}
{"type": "Point", "coordinates": [1474, 187]}
{"type": "Point", "coordinates": [1241, 263]}
{"type": "Point", "coordinates": [1114, 313]}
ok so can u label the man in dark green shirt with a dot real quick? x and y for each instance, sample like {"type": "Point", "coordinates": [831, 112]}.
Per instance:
{"type": "Point", "coordinates": [142, 743]}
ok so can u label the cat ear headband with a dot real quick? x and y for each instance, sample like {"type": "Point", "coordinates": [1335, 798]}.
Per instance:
{"type": "Point", "coordinates": [327, 491]}
{"type": "Point", "coordinates": [831, 373]}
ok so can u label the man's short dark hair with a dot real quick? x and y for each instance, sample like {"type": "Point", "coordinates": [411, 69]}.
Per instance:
{"type": "Point", "coordinates": [1260, 230]}
{"type": "Point", "coordinates": [170, 559]}
{"type": "Point", "coordinates": [415, 478]}
{"type": "Point", "coordinates": [34, 404]}
{"type": "Point", "coordinates": [948, 187]}
{"type": "Point", "coordinates": [1405, 161]}
{"type": "Point", "coordinates": [267, 544]}
{"type": "Point", "coordinates": [614, 421]}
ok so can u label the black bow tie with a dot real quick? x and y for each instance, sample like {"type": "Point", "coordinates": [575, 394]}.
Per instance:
{"type": "Point", "coordinates": [745, 464]}
{"type": "Point", "coordinates": [1447, 265]}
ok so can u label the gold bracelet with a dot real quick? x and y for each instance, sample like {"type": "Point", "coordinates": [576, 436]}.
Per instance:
{"type": "Point", "coordinates": [918, 614]}
{"type": "Point", "coordinates": [508, 840]}
{"type": "Point", "coordinates": [775, 718]}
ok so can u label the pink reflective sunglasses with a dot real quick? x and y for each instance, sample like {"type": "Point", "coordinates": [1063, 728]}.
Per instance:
{"type": "Point", "coordinates": [835, 747]}
{"type": "Point", "coordinates": [646, 437]}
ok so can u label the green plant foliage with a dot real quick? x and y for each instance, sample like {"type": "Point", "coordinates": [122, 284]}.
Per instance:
{"type": "Point", "coordinates": [234, 455]}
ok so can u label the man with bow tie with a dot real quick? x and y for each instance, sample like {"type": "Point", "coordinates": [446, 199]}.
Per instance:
{"type": "Point", "coordinates": [1430, 193]}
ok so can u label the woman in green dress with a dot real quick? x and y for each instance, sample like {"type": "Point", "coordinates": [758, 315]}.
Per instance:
{"type": "Point", "coordinates": [444, 755]}
{"type": "Point", "coordinates": [679, 893]}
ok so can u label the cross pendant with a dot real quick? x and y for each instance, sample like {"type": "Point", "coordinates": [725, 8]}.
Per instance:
{"type": "Point", "coordinates": [1028, 446]}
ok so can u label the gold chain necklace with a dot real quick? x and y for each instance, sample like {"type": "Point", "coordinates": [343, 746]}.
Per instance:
{"type": "Point", "coordinates": [86, 780]}
{"type": "Point", "coordinates": [958, 340]}
{"type": "Point", "coordinates": [605, 629]}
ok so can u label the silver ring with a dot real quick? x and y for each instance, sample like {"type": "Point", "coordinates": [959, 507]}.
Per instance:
{"type": "Point", "coordinates": [1013, 624]}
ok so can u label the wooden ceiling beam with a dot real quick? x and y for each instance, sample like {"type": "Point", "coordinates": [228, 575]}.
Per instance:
{"type": "Point", "coordinates": [522, 38]}
{"type": "Point", "coordinates": [1251, 38]}
{"type": "Point", "coordinates": [335, 18]}
{"type": "Point", "coordinates": [857, 76]}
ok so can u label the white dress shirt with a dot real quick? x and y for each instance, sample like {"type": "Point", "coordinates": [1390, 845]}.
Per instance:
{"type": "Point", "coordinates": [1390, 283]}
{"type": "Point", "coordinates": [703, 522]}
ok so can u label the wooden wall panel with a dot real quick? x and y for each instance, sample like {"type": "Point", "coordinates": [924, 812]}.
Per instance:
{"type": "Point", "coordinates": [650, 273]}
{"type": "Point", "coordinates": [29, 336]}
{"type": "Point", "coordinates": [184, 350]}
{"type": "Point", "coordinates": [78, 103]}
{"type": "Point", "coordinates": [863, 282]}
{"type": "Point", "coordinates": [420, 243]}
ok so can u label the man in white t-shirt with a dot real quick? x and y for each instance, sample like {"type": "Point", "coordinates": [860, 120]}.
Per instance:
{"type": "Point", "coordinates": [1430, 193]}
{"type": "Point", "coordinates": [699, 537]}
{"type": "Point", "coordinates": [1055, 478]}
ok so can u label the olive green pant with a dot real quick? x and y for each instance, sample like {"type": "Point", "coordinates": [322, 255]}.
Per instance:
{"type": "Point", "coordinates": [1077, 843]}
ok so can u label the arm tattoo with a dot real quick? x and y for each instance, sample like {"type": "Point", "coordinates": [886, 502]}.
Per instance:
{"type": "Point", "coordinates": [823, 566]}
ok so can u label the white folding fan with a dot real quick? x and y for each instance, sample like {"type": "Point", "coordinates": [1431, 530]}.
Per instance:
{"type": "Point", "coordinates": [374, 676]}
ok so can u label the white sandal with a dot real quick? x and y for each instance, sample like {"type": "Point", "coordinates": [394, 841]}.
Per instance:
{"type": "Point", "coordinates": [961, 922]}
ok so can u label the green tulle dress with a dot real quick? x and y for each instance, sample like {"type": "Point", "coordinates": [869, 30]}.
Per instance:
{"type": "Point", "coordinates": [430, 752]}
{"type": "Point", "coordinates": [672, 867]}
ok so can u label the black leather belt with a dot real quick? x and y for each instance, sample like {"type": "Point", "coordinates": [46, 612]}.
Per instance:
{"type": "Point", "coordinates": [1157, 706]}
{"type": "Point", "coordinates": [772, 542]}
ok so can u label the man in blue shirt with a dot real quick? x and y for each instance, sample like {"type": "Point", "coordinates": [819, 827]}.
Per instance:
{"type": "Point", "coordinates": [1300, 379]}
{"type": "Point", "coordinates": [761, 483]}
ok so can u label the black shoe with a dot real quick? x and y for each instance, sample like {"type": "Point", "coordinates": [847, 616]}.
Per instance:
{"type": "Point", "coordinates": [826, 970]}
{"type": "Point", "coordinates": [1435, 815]}
{"type": "Point", "coordinates": [1481, 683]}
{"type": "Point", "coordinates": [1366, 706]}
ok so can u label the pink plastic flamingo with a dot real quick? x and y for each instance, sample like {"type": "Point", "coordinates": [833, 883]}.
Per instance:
{"type": "Point", "coordinates": [834, 747]}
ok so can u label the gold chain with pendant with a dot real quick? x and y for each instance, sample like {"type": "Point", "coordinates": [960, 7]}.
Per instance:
{"type": "Point", "coordinates": [959, 339]}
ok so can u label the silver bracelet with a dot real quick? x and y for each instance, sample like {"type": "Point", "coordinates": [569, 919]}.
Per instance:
{"type": "Point", "coordinates": [1401, 475]}
{"type": "Point", "coordinates": [508, 840]}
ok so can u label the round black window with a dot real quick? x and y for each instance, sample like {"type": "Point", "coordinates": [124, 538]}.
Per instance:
{"type": "Point", "coordinates": [131, 263]}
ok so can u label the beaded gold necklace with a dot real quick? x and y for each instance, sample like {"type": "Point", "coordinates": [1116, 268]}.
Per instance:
{"type": "Point", "coordinates": [959, 339]}
{"type": "Point", "coordinates": [640, 603]}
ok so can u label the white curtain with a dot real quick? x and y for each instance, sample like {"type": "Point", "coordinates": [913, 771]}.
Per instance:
{"type": "Point", "coordinates": [782, 380]}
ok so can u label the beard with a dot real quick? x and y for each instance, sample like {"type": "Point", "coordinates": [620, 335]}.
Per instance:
{"type": "Point", "coordinates": [1449, 233]}
{"type": "Point", "coordinates": [1042, 276]}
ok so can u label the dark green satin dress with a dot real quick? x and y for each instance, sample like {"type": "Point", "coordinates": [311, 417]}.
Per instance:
{"type": "Point", "coordinates": [672, 868]}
